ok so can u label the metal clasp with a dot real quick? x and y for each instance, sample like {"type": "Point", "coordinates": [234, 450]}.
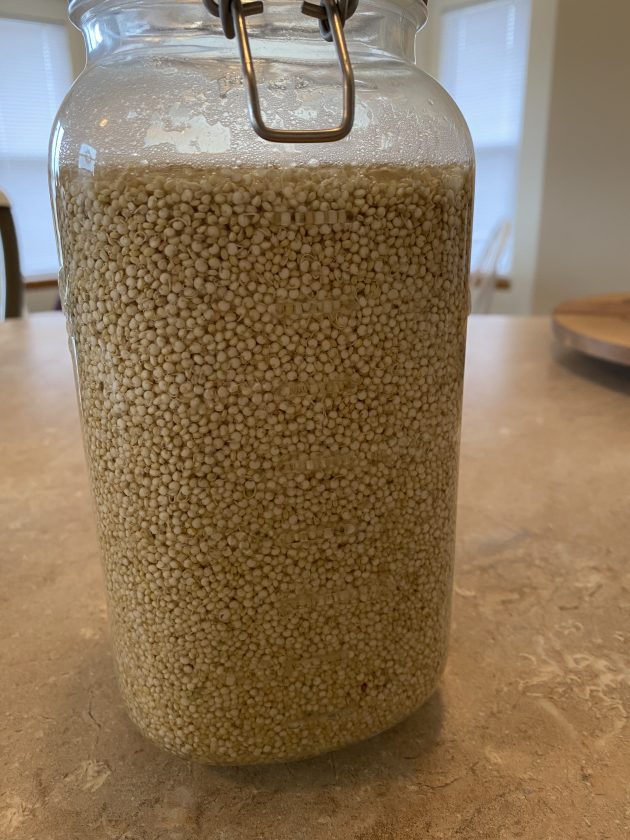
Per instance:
{"type": "Point", "coordinates": [332, 17]}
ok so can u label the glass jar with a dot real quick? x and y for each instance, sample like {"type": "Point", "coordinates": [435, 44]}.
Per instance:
{"type": "Point", "coordinates": [268, 340]}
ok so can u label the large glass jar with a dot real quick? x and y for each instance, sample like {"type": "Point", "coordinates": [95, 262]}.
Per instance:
{"type": "Point", "coordinates": [268, 340]}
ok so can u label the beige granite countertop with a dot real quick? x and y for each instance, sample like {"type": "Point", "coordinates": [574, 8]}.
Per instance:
{"type": "Point", "coordinates": [528, 736]}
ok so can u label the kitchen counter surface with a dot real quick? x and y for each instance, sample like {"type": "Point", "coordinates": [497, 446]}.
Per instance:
{"type": "Point", "coordinates": [528, 735]}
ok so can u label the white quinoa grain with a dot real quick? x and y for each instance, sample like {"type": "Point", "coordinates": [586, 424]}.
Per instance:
{"type": "Point", "coordinates": [270, 366]}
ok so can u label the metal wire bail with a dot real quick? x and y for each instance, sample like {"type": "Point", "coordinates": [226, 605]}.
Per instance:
{"type": "Point", "coordinates": [346, 9]}
{"type": "Point", "coordinates": [332, 15]}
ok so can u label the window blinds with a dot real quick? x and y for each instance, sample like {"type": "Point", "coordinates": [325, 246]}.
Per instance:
{"type": "Point", "coordinates": [35, 74]}
{"type": "Point", "coordinates": [483, 64]}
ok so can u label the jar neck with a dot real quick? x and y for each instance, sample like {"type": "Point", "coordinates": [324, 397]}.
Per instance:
{"type": "Point", "coordinates": [122, 26]}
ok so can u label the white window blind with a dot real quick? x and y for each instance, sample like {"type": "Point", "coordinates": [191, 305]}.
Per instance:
{"type": "Point", "coordinates": [483, 65]}
{"type": "Point", "coordinates": [35, 74]}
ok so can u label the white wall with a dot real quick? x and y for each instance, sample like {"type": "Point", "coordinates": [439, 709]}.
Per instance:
{"type": "Point", "coordinates": [584, 243]}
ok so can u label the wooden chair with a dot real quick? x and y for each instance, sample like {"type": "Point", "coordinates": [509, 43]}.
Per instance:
{"type": "Point", "coordinates": [11, 286]}
{"type": "Point", "coordinates": [486, 278]}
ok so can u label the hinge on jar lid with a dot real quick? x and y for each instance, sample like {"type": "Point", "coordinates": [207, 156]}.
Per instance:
{"type": "Point", "coordinates": [332, 15]}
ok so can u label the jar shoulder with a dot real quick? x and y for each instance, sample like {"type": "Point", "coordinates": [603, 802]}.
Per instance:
{"type": "Point", "coordinates": [168, 108]}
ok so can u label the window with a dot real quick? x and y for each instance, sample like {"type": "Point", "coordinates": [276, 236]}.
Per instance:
{"type": "Point", "coordinates": [35, 74]}
{"type": "Point", "coordinates": [483, 65]}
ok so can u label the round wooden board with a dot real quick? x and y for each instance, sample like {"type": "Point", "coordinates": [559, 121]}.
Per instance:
{"type": "Point", "coordinates": [598, 326]}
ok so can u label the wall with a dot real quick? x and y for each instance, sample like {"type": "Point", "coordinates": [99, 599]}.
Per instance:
{"type": "Point", "coordinates": [584, 245]}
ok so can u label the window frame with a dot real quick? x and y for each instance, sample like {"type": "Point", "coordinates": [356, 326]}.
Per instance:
{"type": "Point", "coordinates": [533, 148]}
{"type": "Point", "coordinates": [513, 148]}
{"type": "Point", "coordinates": [46, 11]}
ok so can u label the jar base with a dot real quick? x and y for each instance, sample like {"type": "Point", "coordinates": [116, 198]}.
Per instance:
{"type": "Point", "coordinates": [352, 737]}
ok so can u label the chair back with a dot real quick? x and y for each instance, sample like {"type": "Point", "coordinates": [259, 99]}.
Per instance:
{"type": "Point", "coordinates": [483, 281]}
{"type": "Point", "coordinates": [11, 286]}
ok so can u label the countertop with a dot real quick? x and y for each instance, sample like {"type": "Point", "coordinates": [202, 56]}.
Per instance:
{"type": "Point", "coordinates": [528, 735]}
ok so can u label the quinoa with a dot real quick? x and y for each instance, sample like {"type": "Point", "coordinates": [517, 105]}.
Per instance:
{"type": "Point", "coordinates": [269, 364]}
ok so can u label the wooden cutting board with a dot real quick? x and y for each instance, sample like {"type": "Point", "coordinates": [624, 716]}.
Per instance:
{"type": "Point", "coordinates": [598, 326]}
